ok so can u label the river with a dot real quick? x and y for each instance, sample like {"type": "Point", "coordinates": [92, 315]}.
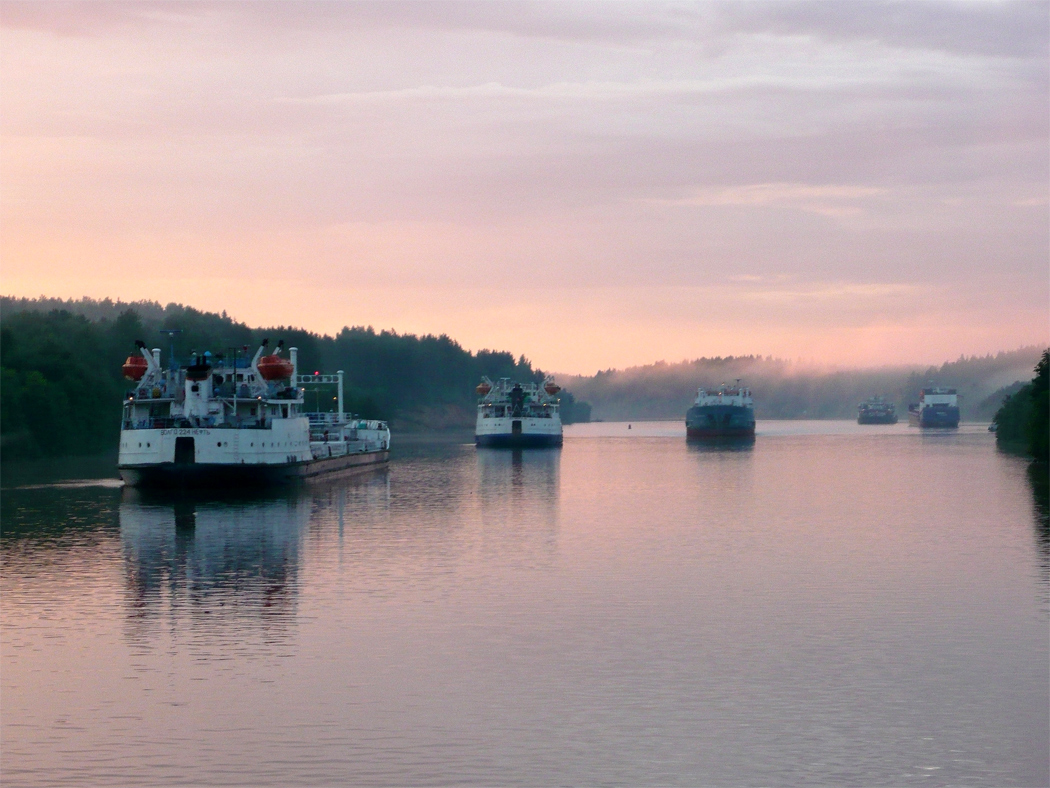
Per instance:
{"type": "Point", "coordinates": [831, 605]}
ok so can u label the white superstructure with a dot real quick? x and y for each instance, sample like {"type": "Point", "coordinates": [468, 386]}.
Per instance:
{"type": "Point", "coordinates": [518, 414]}
{"type": "Point", "coordinates": [736, 396]}
{"type": "Point", "coordinates": [725, 412]}
{"type": "Point", "coordinates": [222, 418]}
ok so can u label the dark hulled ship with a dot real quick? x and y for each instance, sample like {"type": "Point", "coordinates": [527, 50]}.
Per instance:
{"type": "Point", "coordinates": [728, 412]}
{"type": "Point", "coordinates": [876, 411]}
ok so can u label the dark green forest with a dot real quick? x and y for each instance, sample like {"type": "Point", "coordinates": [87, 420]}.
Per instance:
{"type": "Point", "coordinates": [1023, 421]}
{"type": "Point", "coordinates": [61, 385]}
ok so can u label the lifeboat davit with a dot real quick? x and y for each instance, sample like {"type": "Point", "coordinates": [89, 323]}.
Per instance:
{"type": "Point", "coordinates": [552, 389]}
{"type": "Point", "coordinates": [135, 367]}
{"type": "Point", "coordinates": [275, 368]}
{"type": "Point", "coordinates": [483, 389]}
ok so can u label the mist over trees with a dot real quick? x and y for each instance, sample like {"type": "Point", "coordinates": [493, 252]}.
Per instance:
{"type": "Point", "coordinates": [787, 390]}
{"type": "Point", "coordinates": [61, 385]}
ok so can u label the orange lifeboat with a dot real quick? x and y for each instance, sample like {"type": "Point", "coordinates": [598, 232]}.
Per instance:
{"type": "Point", "coordinates": [275, 368]}
{"type": "Point", "coordinates": [135, 367]}
{"type": "Point", "coordinates": [552, 389]}
{"type": "Point", "coordinates": [483, 389]}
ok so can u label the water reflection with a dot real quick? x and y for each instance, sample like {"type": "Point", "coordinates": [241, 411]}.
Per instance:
{"type": "Point", "coordinates": [211, 561]}
{"type": "Point", "coordinates": [1039, 481]}
{"type": "Point", "coordinates": [523, 475]}
{"type": "Point", "coordinates": [352, 501]}
{"type": "Point", "coordinates": [720, 445]}
{"type": "Point", "coordinates": [518, 491]}
{"type": "Point", "coordinates": [817, 610]}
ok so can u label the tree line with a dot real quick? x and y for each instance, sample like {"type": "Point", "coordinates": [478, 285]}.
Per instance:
{"type": "Point", "coordinates": [1023, 421]}
{"type": "Point", "coordinates": [788, 390]}
{"type": "Point", "coordinates": [61, 384]}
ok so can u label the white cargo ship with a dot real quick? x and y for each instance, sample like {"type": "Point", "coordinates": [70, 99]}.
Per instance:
{"type": "Point", "coordinates": [223, 421]}
{"type": "Point", "coordinates": [518, 415]}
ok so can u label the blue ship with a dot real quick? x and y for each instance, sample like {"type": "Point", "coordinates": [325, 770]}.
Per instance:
{"type": "Point", "coordinates": [937, 407]}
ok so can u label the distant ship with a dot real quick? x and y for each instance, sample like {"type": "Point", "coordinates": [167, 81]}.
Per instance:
{"type": "Point", "coordinates": [728, 412]}
{"type": "Point", "coordinates": [517, 415]}
{"type": "Point", "coordinates": [240, 421]}
{"type": "Point", "coordinates": [876, 411]}
{"type": "Point", "coordinates": [937, 407]}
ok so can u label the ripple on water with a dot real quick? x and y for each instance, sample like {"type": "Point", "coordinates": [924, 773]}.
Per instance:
{"type": "Point", "coordinates": [841, 608]}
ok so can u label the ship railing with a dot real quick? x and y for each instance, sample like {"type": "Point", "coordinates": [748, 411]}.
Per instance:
{"type": "Point", "coordinates": [156, 423]}
{"type": "Point", "coordinates": [322, 420]}
{"type": "Point", "coordinates": [165, 423]}
{"type": "Point", "coordinates": [150, 424]}
{"type": "Point", "coordinates": [371, 424]}
{"type": "Point", "coordinates": [150, 393]}
{"type": "Point", "coordinates": [322, 450]}
{"type": "Point", "coordinates": [544, 412]}
{"type": "Point", "coordinates": [359, 447]}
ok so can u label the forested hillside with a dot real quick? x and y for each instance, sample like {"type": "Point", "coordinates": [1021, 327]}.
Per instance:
{"type": "Point", "coordinates": [61, 383]}
{"type": "Point", "coordinates": [785, 390]}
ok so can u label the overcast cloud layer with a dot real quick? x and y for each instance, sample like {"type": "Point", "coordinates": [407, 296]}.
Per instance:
{"type": "Point", "coordinates": [594, 185]}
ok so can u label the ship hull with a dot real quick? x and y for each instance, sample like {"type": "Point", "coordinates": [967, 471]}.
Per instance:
{"type": "Point", "coordinates": [877, 419]}
{"type": "Point", "coordinates": [520, 441]}
{"type": "Point", "coordinates": [518, 432]}
{"type": "Point", "coordinates": [703, 433]}
{"type": "Point", "coordinates": [719, 421]}
{"type": "Point", "coordinates": [934, 418]}
{"type": "Point", "coordinates": [215, 475]}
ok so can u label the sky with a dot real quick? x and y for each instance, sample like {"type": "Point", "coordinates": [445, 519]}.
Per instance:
{"type": "Point", "coordinates": [592, 185]}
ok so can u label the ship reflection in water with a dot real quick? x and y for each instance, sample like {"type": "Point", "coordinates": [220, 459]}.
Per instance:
{"type": "Point", "coordinates": [518, 493]}
{"type": "Point", "coordinates": [520, 473]}
{"type": "Point", "coordinates": [721, 445]}
{"type": "Point", "coordinates": [211, 560]}
{"type": "Point", "coordinates": [830, 606]}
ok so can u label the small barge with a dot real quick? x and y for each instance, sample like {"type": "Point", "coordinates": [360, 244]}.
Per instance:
{"type": "Point", "coordinates": [876, 411]}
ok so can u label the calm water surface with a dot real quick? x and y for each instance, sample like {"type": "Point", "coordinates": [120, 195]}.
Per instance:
{"type": "Point", "coordinates": [834, 605]}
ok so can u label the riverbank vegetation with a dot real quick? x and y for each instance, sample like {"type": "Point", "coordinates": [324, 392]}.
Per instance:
{"type": "Point", "coordinates": [61, 383]}
{"type": "Point", "coordinates": [1023, 421]}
